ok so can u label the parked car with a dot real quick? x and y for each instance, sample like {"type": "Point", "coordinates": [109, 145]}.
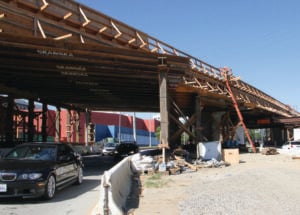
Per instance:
{"type": "Point", "coordinates": [39, 169]}
{"type": "Point", "coordinates": [126, 148]}
{"type": "Point", "coordinates": [109, 149]}
{"type": "Point", "coordinates": [291, 145]}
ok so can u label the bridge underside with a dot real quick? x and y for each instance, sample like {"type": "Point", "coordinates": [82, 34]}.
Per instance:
{"type": "Point", "coordinates": [81, 77]}
{"type": "Point", "coordinates": [67, 55]}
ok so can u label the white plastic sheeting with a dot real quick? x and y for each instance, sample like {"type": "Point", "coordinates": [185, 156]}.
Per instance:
{"type": "Point", "coordinates": [142, 163]}
{"type": "Point", "coordinates": [115, 188]}
{"type": "Point", "coordinates": [240, 135]}
{"type": "Point", "coordinates": [296, 133]}
{"type": "Point", "coordinates": [209, 150]}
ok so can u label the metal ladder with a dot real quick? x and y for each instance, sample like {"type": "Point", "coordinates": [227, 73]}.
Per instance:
{"type": "Point", "coordinates": [227, 74]}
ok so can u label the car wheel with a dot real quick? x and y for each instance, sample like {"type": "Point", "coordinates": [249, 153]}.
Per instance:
{"type": "Point", "coordinates": [79, 176]}
{"type": "Point", "coordinates": [50, 188]}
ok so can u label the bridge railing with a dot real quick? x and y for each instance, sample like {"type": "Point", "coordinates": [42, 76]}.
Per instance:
{"type": "Point", "coordinates": [91, 25]}
{"type": "Point", "coordinates": [155, 45]}
{"type": "Point", "coordinates": [200, 67]}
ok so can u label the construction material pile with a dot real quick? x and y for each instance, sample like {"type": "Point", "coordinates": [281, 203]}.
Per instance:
{"type": "Point", "coordinates": [176, 162]}
{"type": "Point", "coordinates": [269, 151]}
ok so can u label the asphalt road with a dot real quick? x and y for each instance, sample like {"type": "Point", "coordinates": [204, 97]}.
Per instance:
{"type": "Point", "coordinates": [73, 200]}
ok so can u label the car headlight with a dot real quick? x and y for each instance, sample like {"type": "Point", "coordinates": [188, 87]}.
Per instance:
{"type": "Point", "coordinates": [30, 176]}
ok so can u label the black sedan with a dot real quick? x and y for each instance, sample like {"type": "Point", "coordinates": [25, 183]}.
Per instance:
{"type": "Point", "coordinates": [126, 148]}
{"type": "Point", "coordinates": [39, 169]}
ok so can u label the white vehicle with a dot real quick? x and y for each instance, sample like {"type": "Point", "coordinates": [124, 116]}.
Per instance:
{"type": "Point", "coordinates": [109, 149]}
{"type": "Point", "coordinates": [291, 145]}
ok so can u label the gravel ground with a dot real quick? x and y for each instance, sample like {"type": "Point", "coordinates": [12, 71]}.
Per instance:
{"type": "Point", "coordinates": [259, 184]}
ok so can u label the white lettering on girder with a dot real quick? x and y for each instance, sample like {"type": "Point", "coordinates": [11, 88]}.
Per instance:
{"type": "Point", "coordinates": [54, 53]}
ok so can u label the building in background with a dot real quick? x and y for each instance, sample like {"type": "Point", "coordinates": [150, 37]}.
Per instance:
{"type": "Point", "coordinates": [71, 126]}
{"type": "Point", "coordinates": [115, 125]}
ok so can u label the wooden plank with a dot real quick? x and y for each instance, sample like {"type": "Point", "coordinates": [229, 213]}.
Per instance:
{"type": "Point", "coordinates": [28, 5]}
{"type": "Point", "coordinates": [63, 37]}
{"type": "Point", "coordinates": [73, 21]}
{"type": "Point", "coordinates": [55, 13]}
{"type": "Point", "coordinates": [44, 6]}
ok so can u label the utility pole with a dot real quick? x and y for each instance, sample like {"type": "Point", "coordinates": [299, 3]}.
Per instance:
{"type": "Point", "coordinates": [134, 127]}
{"type": "Point", "coordinates": [120, 124]}
{"type": "Point", "coordinates": [150, 135]}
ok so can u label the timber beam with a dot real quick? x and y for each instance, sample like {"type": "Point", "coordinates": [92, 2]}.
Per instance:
{"type": "Point", "coordinates": [183, 127]}
{"type": "Point", "coordinates": [246, 95]}
{"type": "Point", "coordinates": [73, 22]}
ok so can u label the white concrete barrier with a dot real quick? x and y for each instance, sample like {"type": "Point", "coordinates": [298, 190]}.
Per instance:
{"type": "Point", "coordinates": [115, 188]}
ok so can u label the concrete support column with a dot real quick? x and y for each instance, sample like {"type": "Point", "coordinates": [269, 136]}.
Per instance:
{"type": "Point", "coordinates": [30, 131]}
{"type": "Point", "coordinates": [278, 136]}
{"type": "Point", "coordinates": [68, 125]}
{"type": "Point", "coordinates": [77, 127]}
{"type": "Point", "coordinates": [173, 129]}
{"type": "Point", "coordinates": [87, 122]}
{"type": "Point", "coordinates": [199, 135]}
{"type": "Point", "coordinates": [44, 122]}
{"type": "Point", "coordinates": [288, 134]}
{"type": "Point", "coordinates": [216, 126]}
{"type": "Point", "coordinates": [24, 128]}
{"type": "Point", "coordinates": [164, 107]}
{"type": "Point", "coordinates": [9, 120]}
{"type": "Point", "coordinates": [57, 125]}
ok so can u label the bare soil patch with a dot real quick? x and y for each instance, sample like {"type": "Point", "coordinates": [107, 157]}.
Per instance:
{"type": "Point", "coordinates": [259, 184]}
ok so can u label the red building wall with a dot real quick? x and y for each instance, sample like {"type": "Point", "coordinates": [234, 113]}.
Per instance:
{"type": "Point", "coordinates": [105, 118]}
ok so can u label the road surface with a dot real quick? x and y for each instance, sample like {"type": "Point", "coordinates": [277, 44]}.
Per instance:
{"type": "Point", "coordinates": [73, 200]}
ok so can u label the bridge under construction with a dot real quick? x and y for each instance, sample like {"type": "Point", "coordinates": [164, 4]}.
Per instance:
{"type": "Point", "coordinates": [67, 55]}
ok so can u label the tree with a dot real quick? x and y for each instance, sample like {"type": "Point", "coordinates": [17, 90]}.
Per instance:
{"type": "Point", "coordinates": [157, 133]}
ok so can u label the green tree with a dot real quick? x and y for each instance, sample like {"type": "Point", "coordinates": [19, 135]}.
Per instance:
{"type": "Point", "coordinates": [157, 133]}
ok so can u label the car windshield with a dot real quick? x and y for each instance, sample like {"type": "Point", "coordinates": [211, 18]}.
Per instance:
{"type": "Point", "coordinates": [110, 145]}
{"type": "Point", "coordinates": [33, 152]}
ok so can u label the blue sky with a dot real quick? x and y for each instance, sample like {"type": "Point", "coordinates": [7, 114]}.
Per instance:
{"type": "Point", "coordinates": [258, 39]}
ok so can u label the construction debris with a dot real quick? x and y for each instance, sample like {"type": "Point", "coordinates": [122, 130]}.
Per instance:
{"type": "Point", "coordinates": [211, 163]}
{"type": "Point", "coordinates": [175, 164]}
{"type": "Point", "coordinates": [269, 151]}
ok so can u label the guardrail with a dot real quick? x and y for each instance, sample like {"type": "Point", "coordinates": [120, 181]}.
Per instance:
{"type": "Point", "coordinates": [116, 185]}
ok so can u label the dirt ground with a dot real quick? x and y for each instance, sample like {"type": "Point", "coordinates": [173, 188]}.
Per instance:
{"type": "Point", "coordinates": [259, 184]}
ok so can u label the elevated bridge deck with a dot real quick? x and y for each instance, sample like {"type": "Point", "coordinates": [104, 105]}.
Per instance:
{"type": "Point", "coordinates": [66, 54]}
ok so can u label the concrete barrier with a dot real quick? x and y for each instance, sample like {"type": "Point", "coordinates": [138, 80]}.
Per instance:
{"type": "Point", "coordinates": [115, 188]}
